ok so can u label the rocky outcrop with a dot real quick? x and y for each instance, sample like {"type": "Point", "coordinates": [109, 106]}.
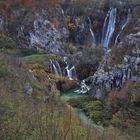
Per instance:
{"type": "Point", "coordinates": [43, 36]}
{"type": "Point", "coordinates": [112, 75]}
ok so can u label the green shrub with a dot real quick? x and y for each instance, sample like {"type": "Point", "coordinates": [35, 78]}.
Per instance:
{"type": "Point", "coordinates": [3, 71]}
{"type": "Point", "coordinates": [96, 116]}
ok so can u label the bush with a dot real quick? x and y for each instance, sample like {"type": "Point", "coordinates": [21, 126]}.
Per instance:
{"type": "Point", "coordinates": [3, 71]}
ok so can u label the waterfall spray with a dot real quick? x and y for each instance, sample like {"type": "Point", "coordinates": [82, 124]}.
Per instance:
{"type": "Point", "coordinates": [109, 27]}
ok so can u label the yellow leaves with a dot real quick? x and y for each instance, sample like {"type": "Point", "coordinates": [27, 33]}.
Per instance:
{"type": "Point", "coordinates": [2, 35]}
{"type": "Point", "coordinates": [40, 73]}
{"type": "Point", "coordinates": [33, 66]}
{"type": "Point", "coordinates": [71, 26]}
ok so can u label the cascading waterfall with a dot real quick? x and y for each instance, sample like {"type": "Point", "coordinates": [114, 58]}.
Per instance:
{"type": "Point", "coordinates": [109, 27]}
{"type": "Point", "coordinates": [56, 68]}
{"type": "Point", "coordinates": [83, 89]}
{"type": "Point", "coordinates": [91, 31]}
{"type": "Point", "coordinates": [71, 73]}
{"type": "Point", "coordinates": [129, 16]}
{"type": "Point", "coordinates": [62, 12]}
{"type": "Point", "coordinates": [70, 69]}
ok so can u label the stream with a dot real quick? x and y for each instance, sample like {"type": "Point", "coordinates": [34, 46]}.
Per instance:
{"type": "Point", "coordinates": [81, 114]}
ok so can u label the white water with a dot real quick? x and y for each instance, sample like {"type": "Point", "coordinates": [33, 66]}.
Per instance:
{"type": "Point", "coordinates": [70, 69]}
{"type": "Point", "coordinates": [56, 68]}
{"type": "Point", "coordinates": [84, 88]}
{"type": "Point", "coordinates": [63, 13]}
{"type": "Point", "coordinates": [109, 27]}
{"type": "Point", "coordinates": [129, 16]}
{"type": "Point", "coordinates": [91, 31]}
{"type": "Point", "coordinates": [71, 73]}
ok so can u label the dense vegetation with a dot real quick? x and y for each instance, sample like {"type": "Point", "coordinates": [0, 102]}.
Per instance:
{"type": "Point", "coordinates": [31, 107]}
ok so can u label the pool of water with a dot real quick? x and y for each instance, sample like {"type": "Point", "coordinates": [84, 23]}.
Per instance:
{"type": "Point", "coordinates": [70, 95]}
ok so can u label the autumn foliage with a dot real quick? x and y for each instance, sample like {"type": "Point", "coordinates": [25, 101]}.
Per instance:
{"type": "Point", "coordinates": [56, 23]}
{"type": "Point", "coordinates": [7, 5]}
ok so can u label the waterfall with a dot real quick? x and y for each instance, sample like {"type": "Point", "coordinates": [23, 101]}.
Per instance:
{"type": "Point", "coordinates": [109, 27]}
{"type": "Point", "coordinates": [91, 31]}
{"type": "Point", "coordinates": [83, 89]}
{"type": "Point", "coordinates": [128, 18]}
{"type": "Point", "coordinates": [71, 73]}
{"type": "Point", "coordinates": [56, 68]}
{"type": "Point", "coordinates": [70, 69]}
{"type": "Point", "coordinates": [62, 12]}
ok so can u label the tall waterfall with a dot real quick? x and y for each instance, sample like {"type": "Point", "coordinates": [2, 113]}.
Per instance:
{"type": "Point", "coordinates": [56, 68]}
{"type": "Point", "coordinates": [127, 20]}
{"type": "Point", "coordinates": [70, 69]}
{"type": "Point", "coordinates": [109, 27]}
{"type": "Point", "coordinates": [91, 31]}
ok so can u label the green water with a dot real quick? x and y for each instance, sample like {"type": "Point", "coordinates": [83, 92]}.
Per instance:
{"type": "Point", "coordinates": [70, 95]}
{"type": "Point", "coordinates": [25, 52]}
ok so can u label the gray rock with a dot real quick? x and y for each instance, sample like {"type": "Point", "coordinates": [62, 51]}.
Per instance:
{"type": "Point", "coordinates": [28, 88]}
{"type": "Point", "coordinates": [43, 36]}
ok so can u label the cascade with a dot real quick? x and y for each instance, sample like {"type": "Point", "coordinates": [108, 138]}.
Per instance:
{"type": "Point", "coordinates": [56, 68]}
{"type": "Point", "coordinates": [91, 31]}
{"type": "Point", "coordinates": [71, 73]}
{"type": "Point", "coordinates": [109, 27]}
{"type": "Point", "coordinates": [62, 12]}
{"type": "Point", "coordinates": [128, 18]}
{"type": "Point", "coordinates": [70, 69]}
{"type": "Point", "coordinates": [83, 89]}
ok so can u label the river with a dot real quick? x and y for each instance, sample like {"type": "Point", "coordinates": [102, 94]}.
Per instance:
{"type": "Point", "coordinates": [81, 114]}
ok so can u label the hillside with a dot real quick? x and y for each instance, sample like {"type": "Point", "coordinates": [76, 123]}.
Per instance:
{"type": "Point", "coordinates": [69, 70]}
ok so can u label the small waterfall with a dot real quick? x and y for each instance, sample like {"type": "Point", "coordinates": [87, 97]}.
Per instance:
{"type": "Point", "coordinates": [83, 89]}
{"type": "Point", "coordinates": [70, 69]}
{"type": "Point", "coordinates": [109, 27]}
{"type": "Point", "coordinates": [62, 12]}
{"type": "Point", "coordinates": [71, 73]}
{"type": "Point", "coordinates": [129, 16]}
{"type": "Point", "coordinates": [91, 31]}
{"type": "Point", "coordinates": [56, 68]}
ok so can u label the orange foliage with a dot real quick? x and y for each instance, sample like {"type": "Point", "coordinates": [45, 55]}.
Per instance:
{"type": "Point", "coordinates": [7, 5]}
{"type": "Point", "coordinates": [78, 2]}
{"type": "Point", "coordinates": [29, 3]}
{"type": "Point", "coordinates": [52, 4]}
{"type": "Point", "coordinates": [69, 2]}
{"type": "Point", "coordinates": [112, 98]}
{"type": "Point", "coordinates": [56, 23]}
{"type": "Point", "coordinates": [125, 89]}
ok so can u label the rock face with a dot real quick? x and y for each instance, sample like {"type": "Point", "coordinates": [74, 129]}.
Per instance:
{"type": "Point", "coordinates": [129, 69]}
{"type": "Point", "coordinates": [44, 37]}
{"type": "Point", "coordinates": [1, 24]}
